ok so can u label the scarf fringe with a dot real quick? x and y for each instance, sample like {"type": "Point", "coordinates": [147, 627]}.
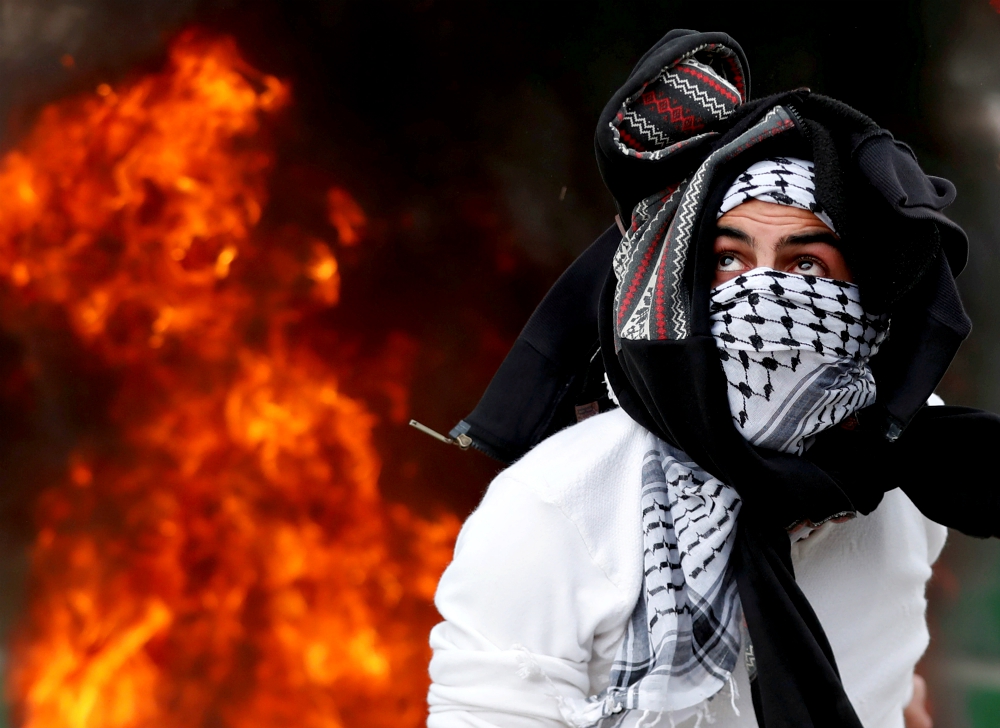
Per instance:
{"type": "Point", "coordinates": [734, 693]}
{"type": "Point", "coordinates": [577, 713]}
{"type": "Point", "coordinates": [589, 713]}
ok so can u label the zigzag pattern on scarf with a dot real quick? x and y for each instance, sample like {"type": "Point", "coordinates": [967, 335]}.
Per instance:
{"type": "Point", "coordinates": [776, 121]}
{"type": "Point", "coordinates": [718, 108]}
{"type": "Point", "coordinates": [650, 241]}
{"type": "Point", "coordinates": [707, 75]}
{"type": "Point", "coordinates": [659, 137]}
{"type": "Point", "coordinates": [677, 103]}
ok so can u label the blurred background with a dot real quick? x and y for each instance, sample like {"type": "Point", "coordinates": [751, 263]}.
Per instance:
{"type": "Point", "coordinates": [242, 242]}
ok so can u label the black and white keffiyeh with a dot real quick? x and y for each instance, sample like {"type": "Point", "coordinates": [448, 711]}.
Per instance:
{"type": "Point", "coordinates": [683, 639]}
{"type": "Point", "coordinates": [795, 351]}
{"type": "Point", "coordinates": [782, 180]}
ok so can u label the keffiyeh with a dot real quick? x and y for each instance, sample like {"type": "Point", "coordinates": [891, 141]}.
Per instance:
{"type": "Point", "coordinates": [781, 180]}
{"type": "Point", "coordinates": [683, 638]}
{"type": "Point", "coordinates": [795, 351]}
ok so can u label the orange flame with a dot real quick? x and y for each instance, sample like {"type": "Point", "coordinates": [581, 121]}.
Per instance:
{"type": "Point", "coordinates": [346, 216]}
{"type": "Point", "coordinates": [227, 558]}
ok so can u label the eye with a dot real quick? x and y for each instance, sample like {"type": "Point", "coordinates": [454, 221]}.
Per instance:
{"type": "Point", "coordinates": [810, 266]}
{"type": "Point", "coordinates": [728, 262]}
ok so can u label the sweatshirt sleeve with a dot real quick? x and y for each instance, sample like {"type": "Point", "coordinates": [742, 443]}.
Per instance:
{"type": "Point", "coordinates": [526, 610]}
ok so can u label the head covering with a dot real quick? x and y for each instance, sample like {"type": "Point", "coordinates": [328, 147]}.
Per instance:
{"type": "Point", "coordinates": [782, 180]}
{"type": "Point", "coordinates": [661, 113]}
{"type": "Point", "coordinates": [642, 298]}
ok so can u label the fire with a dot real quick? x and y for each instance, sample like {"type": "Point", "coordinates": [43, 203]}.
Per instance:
{"type": "Point", "coordinates": [346, 216]}
{"type": "Point", "coordinates": [223, 556]}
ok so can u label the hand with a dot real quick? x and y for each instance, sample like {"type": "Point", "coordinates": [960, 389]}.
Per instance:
{"type": "Point", "coordinates": [916, 714]}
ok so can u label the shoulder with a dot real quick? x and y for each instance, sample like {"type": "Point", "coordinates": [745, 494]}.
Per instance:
{"type": "Point", "coordinates": [590, 473]}
{"type": "Point", "coordinates": [552, 556]}
{"type": "Point", "coordinates": [600, 448]}
{"type": "Point", "coordinates": [588, 468]}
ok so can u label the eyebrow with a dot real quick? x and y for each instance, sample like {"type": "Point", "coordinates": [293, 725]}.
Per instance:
{"type": "Point", "coordinates": [800, 239]}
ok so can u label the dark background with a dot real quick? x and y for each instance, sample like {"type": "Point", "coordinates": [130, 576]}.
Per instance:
{"type": "Point", "coordinates": [465, 129]}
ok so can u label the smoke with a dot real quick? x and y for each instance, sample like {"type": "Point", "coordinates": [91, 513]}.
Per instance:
{"type": "Point", "coordinates": [968, 112]}
{"type": "Point", "coordinates": [52, 47]}
{"type": "Point", "coordinates": [27, 29]}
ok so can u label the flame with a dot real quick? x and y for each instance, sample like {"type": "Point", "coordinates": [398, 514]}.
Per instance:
{"type": "Point", "coordinates": [225, 558]}
{"type": "Point", "coordinates": [345, 215]}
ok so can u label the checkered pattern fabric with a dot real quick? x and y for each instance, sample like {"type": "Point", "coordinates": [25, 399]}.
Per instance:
{"type": "Point", "coordinates": [795, 351]}
{"type": "Point", "coordinates": [683, 639]}
{"type": "Point", "coordinates": [781, 180]}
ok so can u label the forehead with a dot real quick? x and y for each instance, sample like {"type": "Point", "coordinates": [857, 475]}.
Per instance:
{"type": "Point", "coordinates": [758, 216]}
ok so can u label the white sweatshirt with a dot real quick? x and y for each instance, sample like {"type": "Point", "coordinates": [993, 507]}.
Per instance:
{"type": "Point", "coordinates": [548, 569]}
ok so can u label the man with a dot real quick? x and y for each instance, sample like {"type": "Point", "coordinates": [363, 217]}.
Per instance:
{"type": "Point", "coordinates": [731, 542]}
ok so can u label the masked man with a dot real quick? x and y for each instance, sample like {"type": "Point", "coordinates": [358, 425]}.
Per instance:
{"type": "Point", "coordinates": [744, 534]}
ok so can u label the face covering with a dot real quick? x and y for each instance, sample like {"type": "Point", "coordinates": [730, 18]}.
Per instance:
{"type": "Point", "coordinates": [795, 351]}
